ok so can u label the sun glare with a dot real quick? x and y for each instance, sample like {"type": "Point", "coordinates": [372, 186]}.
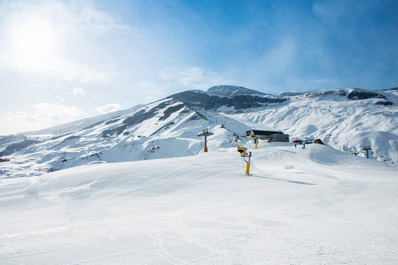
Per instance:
{"type": "Point", "coordinates": [33, 43]}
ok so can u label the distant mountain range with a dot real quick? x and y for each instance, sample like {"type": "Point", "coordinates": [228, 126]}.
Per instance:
{"type": "Point", "coordinates": [347, 119]}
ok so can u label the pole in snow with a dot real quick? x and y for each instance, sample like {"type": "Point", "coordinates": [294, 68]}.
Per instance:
{"type": "Point", "coordinates": [205, 133]}
{"type": "Point", "coordinates": [366, 149]}
{"type": "Point", "coordinates": [255, 142]}
{"type": "Point", "coordinates": [255, 138]}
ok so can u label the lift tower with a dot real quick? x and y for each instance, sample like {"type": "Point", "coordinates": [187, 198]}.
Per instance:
{"type": "Point", "coordinates": [205, 133]}
{"type": "Point", "coordinates": [367, 149]}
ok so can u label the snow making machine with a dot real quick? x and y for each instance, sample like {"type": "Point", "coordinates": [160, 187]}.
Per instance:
{"type": "Point", "coordinates": [244, 154]}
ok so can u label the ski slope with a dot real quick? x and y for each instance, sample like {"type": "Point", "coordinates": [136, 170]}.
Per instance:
{"type": "Point", "coordinates": [328, 208]}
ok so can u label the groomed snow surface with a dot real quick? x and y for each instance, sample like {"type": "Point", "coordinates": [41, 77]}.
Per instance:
{"type": "Point", "coordinates": [300, 206]}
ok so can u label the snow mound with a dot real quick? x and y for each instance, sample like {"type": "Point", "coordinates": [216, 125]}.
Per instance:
{"type": "Point", "coordinates": [326, 155]}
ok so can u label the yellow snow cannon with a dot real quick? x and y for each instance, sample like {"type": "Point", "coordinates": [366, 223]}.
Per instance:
{"type": "Point", "coordinates": [242, 150]}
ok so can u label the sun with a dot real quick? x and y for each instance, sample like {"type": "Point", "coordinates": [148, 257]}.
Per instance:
{"type": "Point", "coordinates": [33, 43]}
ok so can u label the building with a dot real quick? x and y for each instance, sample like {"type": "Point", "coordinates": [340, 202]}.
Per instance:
{"type": "Point", "coordinates": [271, 136]}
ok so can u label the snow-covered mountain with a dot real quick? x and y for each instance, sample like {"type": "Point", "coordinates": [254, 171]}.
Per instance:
{"type": "Point", "coordinates": [165, 128]}
{"type": "Point", "coordinates": [230, 91]}
{"type": "Point", "coordinates": [347, 119]}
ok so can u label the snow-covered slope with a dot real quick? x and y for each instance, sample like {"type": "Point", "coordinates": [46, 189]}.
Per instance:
{"type": "Point", "coordinates": [166, 128]}
{"type": "Point", "coordinates": [338, 118]}
{"type": "Point", "coordinates": [329, 207]}
{"type": "Point", "coordinates": [347, 119]}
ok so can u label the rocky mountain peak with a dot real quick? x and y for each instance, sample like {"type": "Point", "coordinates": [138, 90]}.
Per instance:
{"type": "Point", "coordinates": [230, 91]}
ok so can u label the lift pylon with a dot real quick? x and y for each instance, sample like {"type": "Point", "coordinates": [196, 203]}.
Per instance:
{"type": "Point", "coordinates": [367, 149]}
{"type": "Point", "coordinates": [205, 133]}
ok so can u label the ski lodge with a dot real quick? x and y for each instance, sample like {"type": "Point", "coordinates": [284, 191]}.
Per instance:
{"type": "Point", "coordinates": [271, 136]}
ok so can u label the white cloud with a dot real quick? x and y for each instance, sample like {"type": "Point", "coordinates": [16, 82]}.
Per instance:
{"type": "Point", "coordinates": [59, 97]}
{"type": "Point", "coordinates": [108, 108]}
{"type": "Point", "coordinates": [43, 115]}
{"type": "Point", "coordinates": [78, 91]}
{"type": "Point", "coordinates": [57, 111]}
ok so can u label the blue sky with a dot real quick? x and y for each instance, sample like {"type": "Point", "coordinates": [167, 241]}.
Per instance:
{"type": "Point", "coordinates": [66, 60]}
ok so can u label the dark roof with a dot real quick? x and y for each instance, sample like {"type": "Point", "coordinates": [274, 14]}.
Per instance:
{"type": "Point", "coordinates": [261, 132]}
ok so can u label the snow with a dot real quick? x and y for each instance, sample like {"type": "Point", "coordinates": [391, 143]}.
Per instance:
{"type": "Point", "coordinates": [129, 135]}
{"type": "Point", "coordinates": [115, 140]}
{"type": "Point", "coordinates": [345, 125]}
{"type": "Point", "coordinates": [329, 208]}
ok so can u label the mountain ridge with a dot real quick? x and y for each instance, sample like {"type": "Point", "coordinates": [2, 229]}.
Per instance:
{"type": "Point", "coordinates": [346, 119]}
{"type": "Point", "coordinates": [79, 124]}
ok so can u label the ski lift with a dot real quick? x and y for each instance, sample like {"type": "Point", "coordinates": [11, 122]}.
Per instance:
{"type": "Point", "coordinates": [154, 147]}
{"type": "Point", "coordinates": [236, 137]}
{"type": "Point", "coordinates": [205, 133]}
{"type": "Point", "coordinates": [157, 144]}
{"type": "Point", "coordinates": [366, 150]}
